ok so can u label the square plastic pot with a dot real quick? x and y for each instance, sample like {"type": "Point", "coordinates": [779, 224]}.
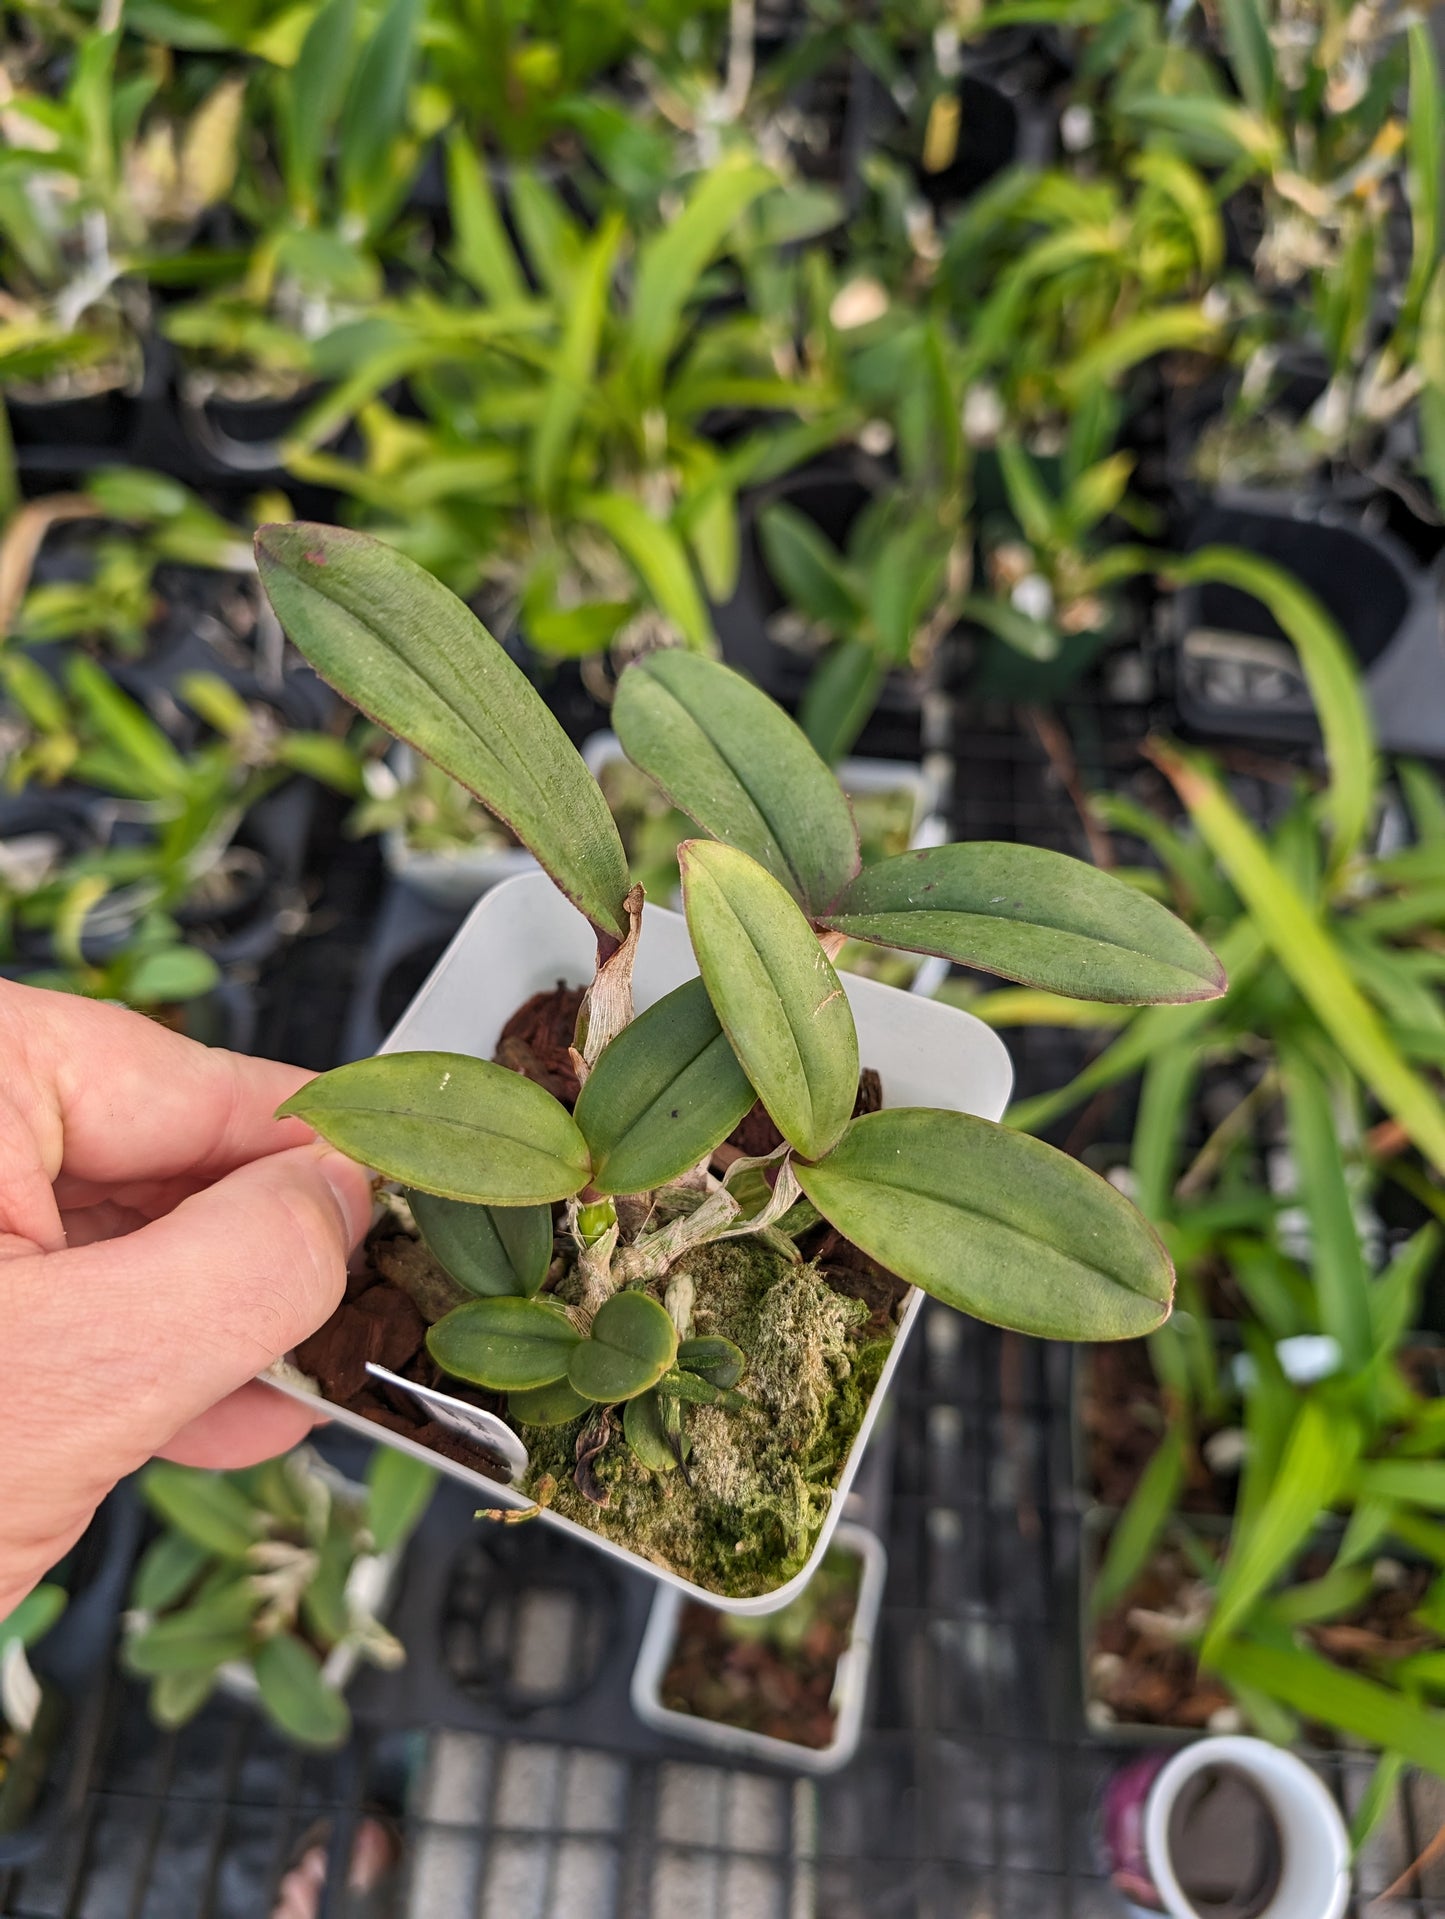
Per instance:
{"type": "Point", "coordinates": [521, 939]}
{"type": "Point", "coordinates": [850, 1687]}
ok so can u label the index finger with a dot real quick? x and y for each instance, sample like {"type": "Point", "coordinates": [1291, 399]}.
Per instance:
{"type": "Point", "coordinates": [100, 1097]}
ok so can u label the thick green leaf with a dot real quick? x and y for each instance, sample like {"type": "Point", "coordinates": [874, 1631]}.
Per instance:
{"type": "Point", "coordinates": [398, 645]}
{"type": "Point", "coordinates": [553, 1405]}
{"type": "Point", "coordinates": [176, 1697]}
{"type": "Point", "coordinates": [34, 1616]}
{"type": "Point", "coordinates": [490, 1250]}
{"type": "Point", "coordinates": [732, 760]}
{"type": "Point", "coordinates": [645, 1433]}
{"type": "Point", "coordinates": [994, 1223]}
{"type": "Point", "coordinates": [399, 1490]}
{"type": "Point", "coordinates": [373, 117]}
{"type": "Point", "coordinates": [449, 1124]}
{"type": "Point", "coordinates": [1321, 1449]}
{"type": "Point", "coordinates": [1308, 955]}
{"type": "Point", "coordinates": [810, 572]}
{"type": "Point", "coordinates": [1034, 916]}
{"type": "Point", "coordinates": [168, 1567]}
{"type": "Point", "coordinates": [204, 1506]}
{"type": "Point", "coordinates": [663, 1094]}
{"type": "Point", "coordinates": [712, 1358]}
{"type": "Point", "coordinates": [214, 1628]}
{"type": "Point", "coordinates": [780, 1002]}
{"type": "Point", "coordinates": [632, 1345]}
{"type": "Point", "coordinates": [296, 1696]}
{"type": "Point", "coordinates": [508, 1345]}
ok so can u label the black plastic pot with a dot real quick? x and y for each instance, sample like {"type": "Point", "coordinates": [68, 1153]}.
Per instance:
{"type": "Point", "coordinates": [1237, 674]}
{"type": "Point", "coordinates": [101, 420]}
{"type": "Point", "coordinates": [832, 494]}
{"type": "Point", "coordinates": [72, 1663]}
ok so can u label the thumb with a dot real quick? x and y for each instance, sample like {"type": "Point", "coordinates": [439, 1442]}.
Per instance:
{"type": "Point", "coordinates": [157, 1326]}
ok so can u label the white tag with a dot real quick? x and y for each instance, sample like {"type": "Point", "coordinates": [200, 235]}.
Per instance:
{"type": "Point", "coordinates": [19, 1688]}
{"type": "Point", "coordinates": [471, 1422]}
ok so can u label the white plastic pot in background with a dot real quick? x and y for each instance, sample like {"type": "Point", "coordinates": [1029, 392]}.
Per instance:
{"type": "Point", "coordinates": [453, 879]}
{"type": "Point", "coordinates": [1314, 1845]}
{"type": "Point", "coordinates": [850, 1687]}
{"type": "Point", "coordinates": [524, 937]}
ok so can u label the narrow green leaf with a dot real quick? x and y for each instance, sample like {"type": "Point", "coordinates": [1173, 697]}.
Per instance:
{"type": "Point", "coordinates": [671, 263]}
{"type": "Point", "coordinates": [1337, 1260]}
{"type": "Point", "coordinates": [1031, 915]}
{"type": "Point", "coordinates": [1308, 956]}
{"type": "Point", "coordinates": [659, 558]}
{"type": "Point", "coordinates": [373, 117]}
{"type": "Point", "coordinates": [1139, 1527]}
{"type": "Point", "coordinates": [509, 1345]}
{"type": "Point", "coordinates": [449, 1124]}
{"type": "Point", "coordinates": [663, 1094]}
{"type": "Point", "coordinates": [571, 374]}
{"type": "Point", "coordinates": [552, 1405]}
{"type": "Point", "coordinates": [490, 1250]}
{"type": "Point", "coordinates": [204, 1506]}
{"type": "Point", "coordinates": [1413, 1482]}
{"type": "Point", "coordinates": [781, 1004]}
{"type": "Point", "coordinates": [841, 693]}
{"type": "Point", "coordinates": [296, 1696]}
{"type": "Point", "coordinates": [994, 1223]}
{"type": "Point", "coordinates": [481, 251]}
{"type": "Point", "coordinates": [407, 652]}
{"type": "Point", "coordinates": [169, 1647]}
{"type": "Point", "coordinates": [633, 1342]}
{"type": "Point", "coordinates": [1330, 672]}
{"type": "Point", "coordinates": [1246, 38]}
{"type": "Point", "coordinates": [1344, 1700]}
{"type": "Point", "coordinates": [810, 572]}
{"type": "Point", "coordinates": [399, 1490]}
{"type": "Point", "coordinates": [1318, 1455]}
{"type": "Point", "coordinates": [311, 97]}
{"type": "Point", "coordinates": [1377, 1798]}
{"type": "Point", "coordinates": [732, 760]}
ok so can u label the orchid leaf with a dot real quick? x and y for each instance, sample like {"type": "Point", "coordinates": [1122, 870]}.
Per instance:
{"type": "Point", "coordinates": [449, 1124]}
{"type": "Point", "coordinates": [994, 1223]}
{"type": "Point", "coordinates": [509, 1345]}
{"type": "Point", "coordinates": [406, 651]}
{"type": "Point", "coordinates": [1034, 916]}
{"type": "Point", "coordinates": [491, 1250]}
{"type": "Point", "coordinates": [781, 1004]}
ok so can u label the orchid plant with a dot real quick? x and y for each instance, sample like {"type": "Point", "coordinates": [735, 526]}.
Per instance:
{"type": "Point", "coordinates": [990, 1221]}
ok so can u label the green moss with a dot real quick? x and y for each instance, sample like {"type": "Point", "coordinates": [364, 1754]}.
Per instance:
{"type": "Point", "coordinates": [762, 1479]}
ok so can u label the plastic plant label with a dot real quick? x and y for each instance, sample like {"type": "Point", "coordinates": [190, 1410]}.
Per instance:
{"type": "Point", "coordinates": [471, 1422]}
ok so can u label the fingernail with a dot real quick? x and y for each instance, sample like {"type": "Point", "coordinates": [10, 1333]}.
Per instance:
{"type": "Point", "coordinates": [352, 1186]}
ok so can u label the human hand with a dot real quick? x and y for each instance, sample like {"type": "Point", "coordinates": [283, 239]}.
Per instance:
{"type": "Point", "coordinates": [162, 1239]}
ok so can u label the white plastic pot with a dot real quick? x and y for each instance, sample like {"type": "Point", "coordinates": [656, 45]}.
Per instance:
{"type": "Point", "coordinates": [457, 878]}
{"type": "Point", "coordinates": [850, 1687]}
{"type": "Point", "coordinates": [1315, 1847]}
{"type": "Point", "coordinates": [521, 939]}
